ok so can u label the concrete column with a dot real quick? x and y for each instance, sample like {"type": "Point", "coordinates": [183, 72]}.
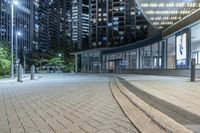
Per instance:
{"type": "Point", "coordinates": [88, 62]}
{"type": "Point", "coordinates": [163, 54]}
{"type": "Point", "coordinates": [137, 59]}
{"type": "Point", "coordinates": [151, 57]}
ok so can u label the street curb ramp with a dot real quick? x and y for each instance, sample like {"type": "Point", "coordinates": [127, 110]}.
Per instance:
{"type": "Point", "coordinates": [143, 116]}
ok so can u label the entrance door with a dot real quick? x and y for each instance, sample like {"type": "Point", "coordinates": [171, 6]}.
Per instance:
{"type": "Point", "coordinates": [115, 66]}
{"type": "Point", "coordinates": [118, 66]}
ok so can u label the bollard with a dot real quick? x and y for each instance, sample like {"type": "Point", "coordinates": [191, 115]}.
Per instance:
{"type": "Point", "coordinates": [19, 73]}
{"type": "Point", "coordinates": [192, 72]}
{"type": "Point", "coordinates": [48, 70]}
{"type": "Point", "coordinates": [22, 71]}
{"type": "Point", "coordinates": [32, 72]}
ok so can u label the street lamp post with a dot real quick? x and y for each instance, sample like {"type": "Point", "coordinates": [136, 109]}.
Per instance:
{"type": "Point", "coordinates": [12, 34]}
{"type": "Point", "coordinates": [25, 60]}
{"type": "Point", "coordinates": [16, 49]}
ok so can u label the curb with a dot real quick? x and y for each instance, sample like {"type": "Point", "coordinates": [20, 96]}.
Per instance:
{"type": "Point", "coordinates": [160, 121]}
{"type": "Point", "coordinates": [142, 122]}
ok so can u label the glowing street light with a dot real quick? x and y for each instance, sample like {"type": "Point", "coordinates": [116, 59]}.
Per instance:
{"type": "Point", "coordinates": [15, 2]}
{"type": "Point", "coordinates": [19, 34]}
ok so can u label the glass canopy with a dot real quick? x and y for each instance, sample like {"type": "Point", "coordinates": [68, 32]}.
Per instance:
{"type": "Point", "coordinates": [163, 13]}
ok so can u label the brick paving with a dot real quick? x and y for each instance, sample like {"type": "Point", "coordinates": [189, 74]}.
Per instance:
{"type": "Point", "coordinates": [64, 103]}
{"type": "Point", "coordinates": [180, 115]}
{"type": "Point", "coordinates": [176, 97]}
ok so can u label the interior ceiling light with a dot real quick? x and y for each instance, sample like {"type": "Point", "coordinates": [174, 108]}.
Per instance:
{"type": "Point", "coordinates": [163, 14]}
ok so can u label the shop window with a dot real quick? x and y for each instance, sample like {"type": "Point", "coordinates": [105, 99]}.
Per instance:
{"type": "Point", "coordinates": [84, 62]}
{"type": "Point", "coordinates": [127, 60]}
{"type": "Point", "coordinates": [133, 59]}
{"type": "Point", "coordinates": [104, 62]}
{"type": "Point", "coordinates": [171, 53]}
{"type": "Point", "coordinates": [95, 62]}
{"type": "Point", "coordinates": [90, 61]}
{"type": "Point", "coordinates": [195, 44]}
{"type": "Point", "coordinates": [141, 51]}
{"type": "Point", "coordinates": [147, 58]}
{"type": "Point", "coordinates": [156, 55]}
{"type": "Point", "coordinates": [112, 62]}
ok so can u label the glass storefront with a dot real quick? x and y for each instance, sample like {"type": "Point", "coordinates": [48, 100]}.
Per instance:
{"type": "Point", "coordinates": [148, 57]}
{"type": "Point", "coordinates": [171, 57]}
{"type": "Point", "coordinates": [195, 44]}
{"type": "Point", "coordinates": [133, 59]}
{"type": "Point", "coordinates": [156, 56]}
{"type": "Point", "coordinates": [126, 62]}
{"type": "Point", "coordinates": [90, 62]}
{"type": "Point", "coordinates": [84, 62]}
{"type": "Point", "coordinates": [173, 52]}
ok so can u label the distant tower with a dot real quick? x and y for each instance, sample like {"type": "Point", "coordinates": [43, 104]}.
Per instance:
{"type": "Point", "coordinates": [81, 23]}
{"type": "Point", "coordinates": [59, 21]}
{"type": "Point", "coordinates": [116, 23]}
{"type": "Point", "coordinates": [23, 22]}
{"type": "Point", "coordinates": [41, 25]}
{"type": "Point", "coordinates": [54, 22]}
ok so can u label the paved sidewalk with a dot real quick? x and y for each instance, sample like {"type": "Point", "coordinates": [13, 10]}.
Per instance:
{"type": "Point", "coordinates": [61, 104]}
{"type": "Point", "coordinates": [176, 91]}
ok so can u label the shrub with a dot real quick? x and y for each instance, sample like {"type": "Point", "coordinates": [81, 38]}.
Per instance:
{"type": "Point", "coordinates": [4, 59]}
{"type": "Point", "coordinates": [4, 66]}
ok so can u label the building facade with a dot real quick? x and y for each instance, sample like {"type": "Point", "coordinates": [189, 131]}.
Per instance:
{"type": "Point", "coordinates": [59, 22]}
{"type": "Point", "coordinates": [65, 18]}
{"type": "Point", "coordinates": [167, 54]}
{"type": "Point", "coordinates": [41, 25]}
{"type": "Point", "coordinates": [81, 23]}
{"type": "Point", "coordinates": [54, 22]}
{"type": "Point", "coordinates": [116, 23]}
{"type": "Point", "coordinates": [23, 23]}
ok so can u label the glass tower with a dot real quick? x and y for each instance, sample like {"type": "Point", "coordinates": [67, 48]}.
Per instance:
{"type": "Point", "coordinates": [116, 23]}
{"type": "Point", "coordinates": [23, 23]}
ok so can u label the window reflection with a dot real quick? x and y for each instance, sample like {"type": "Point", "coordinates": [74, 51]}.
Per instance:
{"type": "Point", "coordinates": [171, 53]}
{"type": "Point", "coordinates": [195, 44]}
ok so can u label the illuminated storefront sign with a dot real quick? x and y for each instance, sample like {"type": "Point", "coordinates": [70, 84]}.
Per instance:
{"type": "Point", "coordinates": [181, 50]}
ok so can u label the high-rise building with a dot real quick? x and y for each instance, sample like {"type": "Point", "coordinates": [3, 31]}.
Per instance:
{"type": "Point", "coordinates": [81, 23]}
{"type": "Point", "coordinates": [116, 23]}
{"type": "Point", "coordinates": [59, 22]}
{"type": "Point", "coordinates": [41, 25]}
{"type": "Point", "coordinates": [54, 22]}
{"type": "Point", "coordinates": [65, 18]}
{"type": "Point", "coordinates": [23, 23]}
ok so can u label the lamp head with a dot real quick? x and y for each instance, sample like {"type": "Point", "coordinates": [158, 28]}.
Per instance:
{"type": "Point", "coordinates": [15, 2]}
{"type": "Point", "coordinates": [19, 33]}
